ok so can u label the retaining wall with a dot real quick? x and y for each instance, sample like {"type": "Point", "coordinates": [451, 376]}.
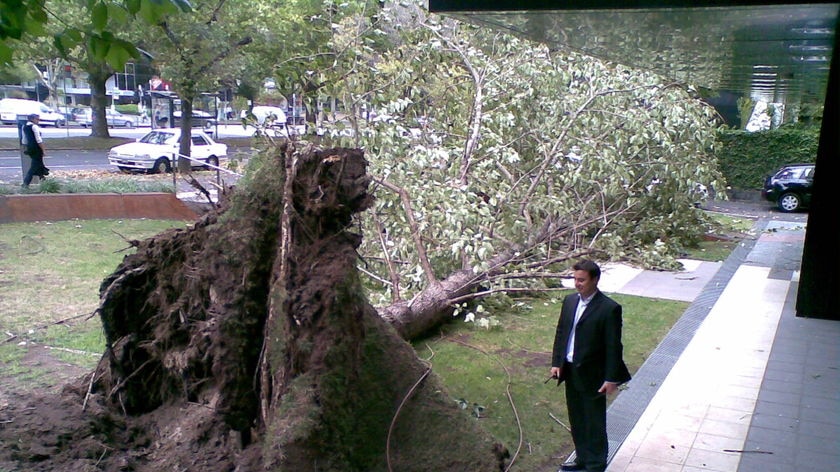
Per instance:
{"type": "Point", "coordinates": [68, 206]}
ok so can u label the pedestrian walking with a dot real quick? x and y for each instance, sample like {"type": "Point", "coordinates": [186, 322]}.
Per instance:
{"type": "Point", "coordinates": [33, 144]}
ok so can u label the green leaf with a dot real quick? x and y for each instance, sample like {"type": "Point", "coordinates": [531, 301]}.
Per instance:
{"type": "Point", "coordinates": [58, 42]}
{"type": "Point", "coordinates": [74, 35]}
{"type": "Point", "coordinates": [152, 11]}
{"type": "Point", "coordinates": [118, 14]}
{"type": "Point", "coordinates": [120, 53]}
{"type": "Point", "coordinates": [133, 6]}
{"type": "Point", "coordinates": [5, 53]}
{"type": "Point", "coordinates": [98, 47]}
{"type": "Point", "coordinates": [99, 16]}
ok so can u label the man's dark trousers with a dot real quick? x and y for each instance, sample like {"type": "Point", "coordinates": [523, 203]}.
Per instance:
{"type": "Point", "coordinates": [588, 418]}
{"type": "Point", "coordinates": [36, 166]}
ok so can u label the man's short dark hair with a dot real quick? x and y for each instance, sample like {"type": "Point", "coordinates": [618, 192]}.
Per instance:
{"type": "Point", "coordinates": [33, 116]}
{"type": "Point", "coordinates": [590, 267]}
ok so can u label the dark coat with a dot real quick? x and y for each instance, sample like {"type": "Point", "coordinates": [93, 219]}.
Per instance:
{"type": "Point", "coordinates": [32, 147]}
{"type": "Point", "coordinates": [598, 348]}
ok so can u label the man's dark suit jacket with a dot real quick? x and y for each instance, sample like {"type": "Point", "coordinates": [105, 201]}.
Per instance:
{"type": "Point", "coordinates": [598, 348]}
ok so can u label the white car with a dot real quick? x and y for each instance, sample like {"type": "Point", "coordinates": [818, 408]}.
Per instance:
{"type": "Point", "coordinates": [158, 151]}
{"type": "Point", "coordinates": [12, 108]}
{"type": "Point", "coordinates": [269, 116]}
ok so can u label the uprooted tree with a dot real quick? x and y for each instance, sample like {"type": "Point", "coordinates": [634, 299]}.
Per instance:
{"type": "Point", "coordinates": [497, 161]}
{"type": "Point", "coordinates": [494, 163]}
{"type": "Point", "coordinates": [245, 342]}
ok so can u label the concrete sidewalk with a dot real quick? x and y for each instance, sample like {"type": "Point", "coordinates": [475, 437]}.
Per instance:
{"type": "Point", "coordinates": [740, 383]}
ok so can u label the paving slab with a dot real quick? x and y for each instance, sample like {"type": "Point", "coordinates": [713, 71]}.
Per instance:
{"type": "Point", "coordinates": [748, 386]}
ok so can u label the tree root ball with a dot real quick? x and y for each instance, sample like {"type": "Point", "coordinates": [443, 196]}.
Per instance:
{"type": "Point", "coordinates": [246, 343]}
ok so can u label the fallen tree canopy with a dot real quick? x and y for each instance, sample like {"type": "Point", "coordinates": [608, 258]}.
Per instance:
{"type": "Point", "coordinates": [246, 343]}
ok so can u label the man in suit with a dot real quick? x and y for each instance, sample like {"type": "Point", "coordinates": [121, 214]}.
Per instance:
{"type": "Point", "coordinates": [587, 355]}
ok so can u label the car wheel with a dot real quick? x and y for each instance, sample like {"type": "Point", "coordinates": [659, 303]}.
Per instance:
{"type": "Point", "coordinates": [59, 123]}
{"type": "Point", "coordinates": [789, 202]}
{"type": "Point", "coordinates": [213, 161]}
{"type": "Point", "coordinates": [161, 166]}
{"type": "Point", "coordinates": [128, 124]}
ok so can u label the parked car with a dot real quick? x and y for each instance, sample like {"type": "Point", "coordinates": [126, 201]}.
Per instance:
{"type": "Point", "coordinates": [11, 108]}
{"type": "Point", "coordinates": [158, 150]}
{"type": "Point", "coordinates": [66, 111]}
{"type": "Point", "coordinates": [790, 187]}
{"type": "Point", "coordinates": [268, 116]}
{"type": "Point", "coordinates": [79, 114]}
{"type": "Point", "coordinates": [200, 119]}
{"type": "Point", "coordinates": [112, 117]}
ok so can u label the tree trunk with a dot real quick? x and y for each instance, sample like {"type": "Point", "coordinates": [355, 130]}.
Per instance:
{"type": "Point", "coordinates": [431, 307]}
{"type": "Point", "coordinates": [184, 165]}
{"type": "Point", "coordinates": [98, 101]}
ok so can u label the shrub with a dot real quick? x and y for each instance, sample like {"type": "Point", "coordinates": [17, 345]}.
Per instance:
{"type": "Point", "coordinates": [746, 159]}
{"type": "Point", "coordinates": [128, 109]}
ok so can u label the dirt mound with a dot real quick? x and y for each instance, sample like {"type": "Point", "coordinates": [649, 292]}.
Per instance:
{"type": "Point", "coordinates": [246, 343]}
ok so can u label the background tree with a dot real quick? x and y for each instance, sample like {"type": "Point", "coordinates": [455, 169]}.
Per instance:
{"type": "Point", "coordinates": [191, 52]}
{"type": "Point", "coordinates": [88, 46]}
{"type": "Point", "coordinates": [23, 20]}
{"type": "Point", "coordinates": [86, 33]}
{"type": "Point", "coordinates": [290, 47]}
{"type": "Point", "coordinates": [16, 73]}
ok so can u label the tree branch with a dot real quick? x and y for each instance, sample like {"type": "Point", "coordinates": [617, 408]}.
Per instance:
{"type": "Point", "coordinates": [214, 17]}
{"type": "Point", "coordinates": [393, 274]}
{"type": "Point", "coordinates": [415, 229]}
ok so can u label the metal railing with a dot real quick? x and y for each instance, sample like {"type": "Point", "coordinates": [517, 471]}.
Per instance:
{"type": "Point", "coordinates": [203, 163]}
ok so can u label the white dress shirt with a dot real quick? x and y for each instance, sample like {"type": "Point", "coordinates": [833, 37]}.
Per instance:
{"type": "Point", "coordinates": [581, 307]}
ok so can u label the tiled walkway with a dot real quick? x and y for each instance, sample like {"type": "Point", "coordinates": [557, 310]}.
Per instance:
{"type": "Point", "coordinates": [740, 384]}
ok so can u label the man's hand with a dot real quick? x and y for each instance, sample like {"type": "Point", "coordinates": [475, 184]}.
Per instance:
{"type": "Point", "coordinates": [608, 388]}
{"type": "Point", "coordinates": [555, 372]}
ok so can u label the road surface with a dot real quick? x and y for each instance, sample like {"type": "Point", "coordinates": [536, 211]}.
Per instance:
{"type": "Point", "coordinates": [57, 159]}
{"type": "Point", "coordinates": [224, 131]}
{"type": "Point", "coordinates": [10, 162]}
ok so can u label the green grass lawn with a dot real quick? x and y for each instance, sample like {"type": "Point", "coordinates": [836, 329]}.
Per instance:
{"type": "Point", "coordinates": [49, 283]}
{"type": "Point", "coordinates": [726, 232]}
{"type": "Point", "coordinates": [49, 288]}
{"type": "Point", "coordinates": [501, 371]}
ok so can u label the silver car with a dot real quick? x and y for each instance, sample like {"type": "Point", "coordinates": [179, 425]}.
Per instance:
{"type": "Point", "coordinates": [114, 119]}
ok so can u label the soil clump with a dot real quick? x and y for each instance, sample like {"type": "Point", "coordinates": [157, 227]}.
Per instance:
{"type": "Point", "coordinates": [246, 343]}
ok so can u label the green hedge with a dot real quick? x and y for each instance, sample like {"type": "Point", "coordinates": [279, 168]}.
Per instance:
{"type": "Point", "coordinates": [746, 159]}
{"type": "Point", "coordinates": [128, 109]}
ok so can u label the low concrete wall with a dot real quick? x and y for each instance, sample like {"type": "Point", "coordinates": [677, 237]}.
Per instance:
{"type": "Point", "coordinates": [86, 206]}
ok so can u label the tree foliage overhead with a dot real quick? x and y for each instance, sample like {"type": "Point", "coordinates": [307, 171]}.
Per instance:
{"type": "Point", "coordinates": [23, 20]}
{"type": "Point", "coordinates": [97, 36]}
{"type": "Point", "coordinates": [499, 159]}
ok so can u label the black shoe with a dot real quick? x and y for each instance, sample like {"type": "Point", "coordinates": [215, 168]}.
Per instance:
{"type": "Point", "coordinates": [572, 466]}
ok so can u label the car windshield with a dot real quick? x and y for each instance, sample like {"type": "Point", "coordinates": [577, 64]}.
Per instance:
{"type": "Point", "coordinates": [792, 173]}
{"type": "Point", "coordinates": [157, 137]}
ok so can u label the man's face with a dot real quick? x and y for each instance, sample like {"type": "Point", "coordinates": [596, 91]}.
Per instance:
{"type": "Point", "coordinates": [584, 284]}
